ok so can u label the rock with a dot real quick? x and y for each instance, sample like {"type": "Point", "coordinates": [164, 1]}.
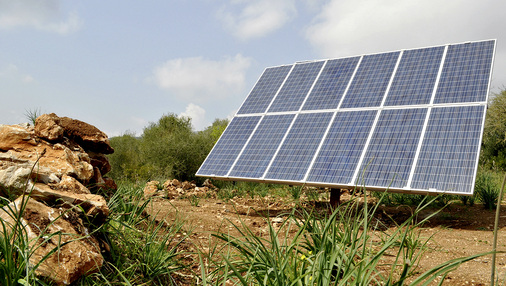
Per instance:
{"type": "Point", "coordinates": [94, 206]}
{"type": "Point", "coordinates": [100, 161]}
{"type": "Point", "coordinates": [49, 228]}
{"type": "Point", "coordinates": [53, 162]}
{"type": "Point", "coordinates": [151, 189]}
{"type": "Point", "coordinates": [109, 183]}
{"type": "Point", "coordinates": [48, 126]}
{"type": "Point", "coordinates": [52, 127]}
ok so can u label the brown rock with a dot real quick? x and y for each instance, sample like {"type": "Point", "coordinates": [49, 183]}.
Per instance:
{"type": "Point", "coordinates": [109, 183]}
{"type": "Point", "coordinates": [77, 254]}
{"type": "Point", "coordinates": [94, 206]}
{"type": "Point", "coordinates": [90, 138]}
{"type": "Point", "coordinates": [100, 161]}
{"type": "Point", "coordinates": [70, 185]}
{"type": "Point", "coordinates": [151, 189]}
{"type": "Point", "coordinates": [48, 126]}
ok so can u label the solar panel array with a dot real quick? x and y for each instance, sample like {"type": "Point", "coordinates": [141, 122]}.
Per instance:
{"type": "Point", "coordinates": [408, 121]}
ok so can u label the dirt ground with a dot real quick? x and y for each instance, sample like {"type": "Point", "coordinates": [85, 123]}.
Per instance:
{"type": "Point", "coordinates": [457, 231]}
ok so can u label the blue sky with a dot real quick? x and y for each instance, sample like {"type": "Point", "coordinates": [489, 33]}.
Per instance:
{"type": "Point", "coordinates": [120, 65]}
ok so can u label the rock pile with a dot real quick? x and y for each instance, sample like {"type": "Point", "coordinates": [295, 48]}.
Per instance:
{"type": "Point", "coordinates": [50, 171]}
{"type": "Point", "coordinates": [173, 189]}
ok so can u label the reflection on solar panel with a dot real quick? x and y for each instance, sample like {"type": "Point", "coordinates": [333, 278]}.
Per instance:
{"type": "Point", "coordinates": [406, 121]}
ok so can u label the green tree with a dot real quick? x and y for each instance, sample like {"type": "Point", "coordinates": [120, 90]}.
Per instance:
{"type": "Point", "coordinates": [167, 149]}
{"type": "Point", "coordinates": [493, 153]}
{"type": "Point", "coordinates": [126, 161]}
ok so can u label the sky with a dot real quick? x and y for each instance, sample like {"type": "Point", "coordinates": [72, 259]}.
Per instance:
{"type": "Point", "coordinates": [121, 65]}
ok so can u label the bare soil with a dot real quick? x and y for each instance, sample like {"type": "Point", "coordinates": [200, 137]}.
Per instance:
{"type": "Point", "coordinates": [456, 231]}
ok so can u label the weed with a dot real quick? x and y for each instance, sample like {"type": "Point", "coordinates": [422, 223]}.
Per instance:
{"type": "Point", "coordinates": [337, 249]}
{"type": "Point", "coordinates": [486, 190]}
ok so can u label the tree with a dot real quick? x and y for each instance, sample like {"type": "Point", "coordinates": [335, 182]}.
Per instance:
{"type": "Point", "coordinates": [493, 153]}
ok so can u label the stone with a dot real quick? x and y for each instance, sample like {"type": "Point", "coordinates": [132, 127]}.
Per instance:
{"type": "Point", "coordinates": [100, 161]}
{"type": "Point", "coordinates": [52, 163]}
{"type": "Point", "coordinates": [49, 228]}
{"type": "Point", "coordinates": [94, 206]}
{"type": "Point", "coordinates": [48, 126]}
{"type": "Point", "coordinates": [90, 138]}
{"type": "Point", "coordinates": [151, 189]}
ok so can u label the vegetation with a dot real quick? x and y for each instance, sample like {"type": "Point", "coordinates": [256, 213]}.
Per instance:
{"type": "Point", "coordinates": [168, 148]}
{"type": "Point", "coordinates": [337, 249]}
{"type": "Point", "coordinates": [143, 251]}
{"type": "Point", "coordinates": [493, 152]}
{"type": "Point", "coordinates": [346, 246]}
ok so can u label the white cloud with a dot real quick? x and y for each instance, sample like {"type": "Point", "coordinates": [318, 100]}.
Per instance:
{"type": "Point", "coordinates": [199, 79]}
{"type": "Point", "coordinates": [255, 19]}
{"type": "Point", "coordinates": [12, 73]}
{"type": "Point", "coordinates": [197, 114]}
{"type": "Point", "coordinates": [39, 14]}
{"type": "Point", "coordinates": [345, 28]}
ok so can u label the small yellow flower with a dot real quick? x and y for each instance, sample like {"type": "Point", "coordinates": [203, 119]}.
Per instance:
{"type": "Point", "coordinates": [310, 252]}
{"type": "Point", "coordinates": [302, 257]}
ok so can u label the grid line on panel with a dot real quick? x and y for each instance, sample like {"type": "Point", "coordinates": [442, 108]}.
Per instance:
{"type": "Point", "coordinates": [371, 80]}
{"type": "Point", "coordinates": [450, 149]}
{"type": "Point", "coordinates": [262, 146]}
{"type": "Point", "coordinates": [228, 147]}
{"type": "Point", "coordinates": [390, 154]}
{"type": "Point", "coordinates": [296, 153]}
{"type": "Point", "coordinates": [466, 73]}
{"type": "Point", "coordinates": [296, 87]}
{"type": "Point", "coordinates": [415, 78]}
{"type": "Point", "coordinates": [341, 150]}
{"type": "Point", "coordinates": [427, 116]}
{"type": "Point", "coordinates": [264, 90]}
{"type": "Point", "coordinates": [331, 84]}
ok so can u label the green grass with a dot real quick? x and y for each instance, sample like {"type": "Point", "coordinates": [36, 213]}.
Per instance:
{"type": "Point", "coordinates": [343, 248]}
{"type": "Point", "coordinates": [143, 250]}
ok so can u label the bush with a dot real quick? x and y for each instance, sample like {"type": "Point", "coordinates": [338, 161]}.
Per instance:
{"type": "Point", "coordinates": [168, 148]}
{"type": "Point", "coordinates": [338, 249]}
{"type": "Point", "coordinates": [486, 189]}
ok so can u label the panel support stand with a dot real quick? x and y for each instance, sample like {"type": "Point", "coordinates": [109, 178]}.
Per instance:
{"type": "Point", "coordinates": [335, 197]}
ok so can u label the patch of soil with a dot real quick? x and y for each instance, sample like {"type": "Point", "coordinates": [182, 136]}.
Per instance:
{"type": "Point", "coordinates": [456, 231]}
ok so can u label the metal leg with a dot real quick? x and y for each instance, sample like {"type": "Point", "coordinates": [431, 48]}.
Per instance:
{"type": "Point", "coordinates": [335, 197]}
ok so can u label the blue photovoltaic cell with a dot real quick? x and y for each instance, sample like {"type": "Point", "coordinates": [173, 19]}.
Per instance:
{"type": "Point", "coordinates": [331, 84]}
{"type": "Point", "coordinates": [224, 153]}
{"type": "Point", "coordinates": [376, 136]}
{"type": "Point", "coordinates": [415, 77]}
{"type": "Point", "coordinates": [449, 153]}
{"type": "Point", "coordinates": [390, 154]}
{"type": "Point", "coordinates": [296, 87]}
{"type": "Point", "coordinates": [262, 146]}
{"type": "Point", "coordinates": [267, 86]}
{"type": "Point", "coordinates": [371, 80]}
{"type": "Point", "coordinates": [466, 73]}
{"type": "Point", "coordinates": [299, 147]}
{"type": "Point", "coordinates": [339, 155]}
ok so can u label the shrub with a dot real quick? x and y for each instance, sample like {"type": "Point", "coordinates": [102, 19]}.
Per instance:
{"type": "Point", "coordinates": [168, 148]}
{"type": "Point", "coordinates": [486, 189]}
{"type": "Point", "coordinates": [337, 249]}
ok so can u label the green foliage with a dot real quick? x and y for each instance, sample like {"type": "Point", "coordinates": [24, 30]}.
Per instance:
{"type": "Point", "coordinates": [126, 161]}
{"type": "Point", "coordinates": [486, 189]}
{"type": "Point", "coordinates": [168, 148]}
{"type": "Point", "coordinates": [32, 114]}
{"type": "Point", "coordinates": [493, 153]}
{"type": "Point", "coordinates": [336, 249]}
{"type": "Point", "coordinates": [143, 250]}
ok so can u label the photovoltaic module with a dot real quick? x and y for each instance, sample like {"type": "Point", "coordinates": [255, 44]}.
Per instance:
{"type": "Point", "coordinates": [407, 121]}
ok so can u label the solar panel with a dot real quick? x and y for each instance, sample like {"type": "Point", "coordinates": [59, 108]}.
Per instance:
{"type": "Point", "coordinates": [406, 121]}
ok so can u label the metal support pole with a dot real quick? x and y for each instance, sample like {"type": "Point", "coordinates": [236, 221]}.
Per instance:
{"type": "Point", "coordinates": [335, 197]}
